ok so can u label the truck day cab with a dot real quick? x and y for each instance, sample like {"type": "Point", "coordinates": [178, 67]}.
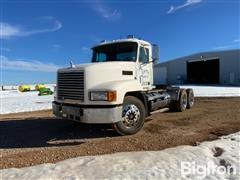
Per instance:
{"type": "Point", "coordinates": [117, 87]}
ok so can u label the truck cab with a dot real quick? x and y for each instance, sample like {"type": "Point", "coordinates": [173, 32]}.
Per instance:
{"type": "Point", "coordinates": [116, 87]}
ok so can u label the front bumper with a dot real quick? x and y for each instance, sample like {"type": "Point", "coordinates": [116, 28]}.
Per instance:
{"type": "Point", "coordinates": [88, 113]}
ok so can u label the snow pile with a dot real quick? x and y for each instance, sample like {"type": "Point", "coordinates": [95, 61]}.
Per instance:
{"type": "Point", "coordinates": [14, 101]}
{"type": "Point", "coordinates": [219, 159]}
{"type": "Point", "coordinates": [213, 91]}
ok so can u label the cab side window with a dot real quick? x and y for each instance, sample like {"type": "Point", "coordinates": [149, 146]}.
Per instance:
{"type": "Point", "coordinates": [143, 55]}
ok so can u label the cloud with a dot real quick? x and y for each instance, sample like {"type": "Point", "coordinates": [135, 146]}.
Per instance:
{"type": "Point", "coordinates": [224, 47]}
{"type": "Point", "coordinates": [106, 12]}
{"type": "Point", "coordinates": [237, 40]}
{"type": "Point", "coordinates": [229, 46]}
{"type": "Point", "coordinates": [111, 15]}
{"type": "Point", "coordinates": [5, 49]}
{"type": "Point", "coordinates": [25, 65]}
{"type": "Point", "coordinates": [56, 46]}
{"type": "Point", "coordinates": [8, 30]}
{"type": "Point", "coordinates": [85, 49]}
{"type": "Point", "coordinates": [173, 9]}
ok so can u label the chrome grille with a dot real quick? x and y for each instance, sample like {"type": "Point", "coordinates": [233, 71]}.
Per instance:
{"type": "Point", "coordinates": [70, 85]}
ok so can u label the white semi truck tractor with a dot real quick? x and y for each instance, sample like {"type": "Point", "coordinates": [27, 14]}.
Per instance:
{"type": "Point", "coordinates": [116, 87]}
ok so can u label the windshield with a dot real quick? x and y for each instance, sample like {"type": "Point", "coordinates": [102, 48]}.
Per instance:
{"type": "Point", "coordinates": [126, 51]}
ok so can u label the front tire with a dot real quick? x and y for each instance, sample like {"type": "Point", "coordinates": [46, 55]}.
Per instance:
{"type": "Point", "coordinates": [133, 116]}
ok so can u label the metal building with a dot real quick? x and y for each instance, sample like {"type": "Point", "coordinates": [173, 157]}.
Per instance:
{"type": "Point", "coordinates": [218, 67]}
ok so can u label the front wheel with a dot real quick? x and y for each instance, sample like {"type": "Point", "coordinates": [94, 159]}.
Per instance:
{"type": "Point", "coordinates": [133, 116]}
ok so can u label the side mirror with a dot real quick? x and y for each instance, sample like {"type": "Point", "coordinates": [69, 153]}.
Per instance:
{"type": "Point", "coordinates": [155, 53]}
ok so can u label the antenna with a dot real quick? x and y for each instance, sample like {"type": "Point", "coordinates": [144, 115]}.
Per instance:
{"type": "Point", "coordinates": [130, 36]}
{"type": "Point", "coordinates": [71, 64]}
{"type": "Point", "coordinates": [103, 41]}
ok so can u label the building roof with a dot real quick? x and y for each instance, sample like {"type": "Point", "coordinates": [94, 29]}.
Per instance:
{"type": "Point", "coordinates": [202, 55]}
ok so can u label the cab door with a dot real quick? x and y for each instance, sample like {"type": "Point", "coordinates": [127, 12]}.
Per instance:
{"type": "Point", "coordinates": [144, 67]}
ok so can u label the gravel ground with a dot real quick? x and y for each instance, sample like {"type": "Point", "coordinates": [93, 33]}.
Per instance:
{"type": "Point", "coordinates": [36, 137]}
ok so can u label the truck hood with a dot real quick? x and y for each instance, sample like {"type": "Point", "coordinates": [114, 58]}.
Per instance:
{"type": "Point", "coordinates": [97, 74]}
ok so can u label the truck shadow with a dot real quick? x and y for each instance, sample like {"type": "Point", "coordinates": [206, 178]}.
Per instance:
{"type": "Point", "coordinates": [47, 132]}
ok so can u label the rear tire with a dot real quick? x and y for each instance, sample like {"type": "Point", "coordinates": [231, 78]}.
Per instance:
{"type": "Point", "coordinates": [190, 98]}
{"type": "Point", "coordinates": [133, 116]}
{"type": "Point", "coordinates": [181, 104]}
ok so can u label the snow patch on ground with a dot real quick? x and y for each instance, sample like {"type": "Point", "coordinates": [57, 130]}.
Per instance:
{"type": "Point", "coordinates": [213, 91]}
{"type": "Point", "coordinates": [14, 101]}
{"type": "Point", "coordinates": [166, 164]}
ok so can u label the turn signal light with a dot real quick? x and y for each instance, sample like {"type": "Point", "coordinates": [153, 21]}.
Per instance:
{"type": "Point", "coordinates": [111, 95]}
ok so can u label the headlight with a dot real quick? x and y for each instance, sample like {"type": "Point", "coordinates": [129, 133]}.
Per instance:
{"type": "Point", "coordinates": [103, 96]}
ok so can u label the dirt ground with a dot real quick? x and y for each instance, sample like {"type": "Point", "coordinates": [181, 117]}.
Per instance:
{"type": "Point", "coordinates": [36, 137]}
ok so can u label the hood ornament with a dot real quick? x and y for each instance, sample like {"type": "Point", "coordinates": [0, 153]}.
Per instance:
{"type": "Point", "coordinates": [72, 65]}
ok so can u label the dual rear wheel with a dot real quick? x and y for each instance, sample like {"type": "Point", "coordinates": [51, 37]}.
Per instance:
{"type": "Point", "coordinates": [185, 101]}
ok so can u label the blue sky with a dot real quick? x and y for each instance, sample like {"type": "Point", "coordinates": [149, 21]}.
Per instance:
{"type": "Point", "coordinates": [37, 37]}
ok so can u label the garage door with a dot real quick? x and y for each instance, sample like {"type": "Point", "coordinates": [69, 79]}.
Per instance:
{"type": "Point", "coordinates": [203, 72]}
